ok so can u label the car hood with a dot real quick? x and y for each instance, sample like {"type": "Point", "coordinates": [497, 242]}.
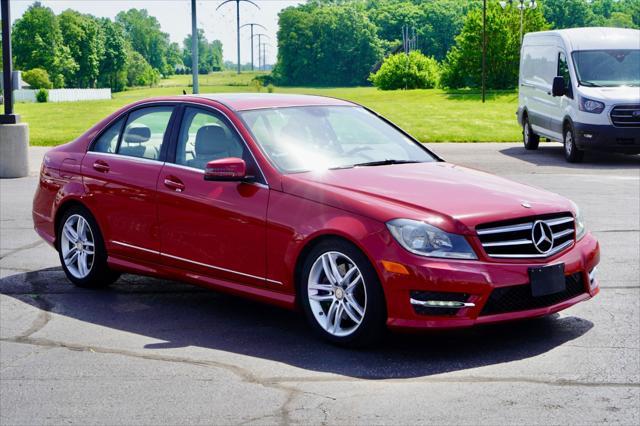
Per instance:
{"type": "Point", "coordinates": [455, 198]}
{"type": "Point", "coordinates": [615, 94]}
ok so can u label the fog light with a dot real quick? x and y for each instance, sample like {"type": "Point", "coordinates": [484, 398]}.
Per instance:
{"type": "Point", "coordinates": [587, 135]}
{"type": "Point", "coordinates": [592, 277]}
{"type": "Point", "coordinates": [442, 303]}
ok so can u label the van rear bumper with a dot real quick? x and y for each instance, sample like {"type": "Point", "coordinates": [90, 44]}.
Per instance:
{"type": "Point", "coordinates": [607, 138]}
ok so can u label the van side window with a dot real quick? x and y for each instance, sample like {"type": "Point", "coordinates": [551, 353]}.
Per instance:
{"type": "Point", "coordinates": [563, 71]}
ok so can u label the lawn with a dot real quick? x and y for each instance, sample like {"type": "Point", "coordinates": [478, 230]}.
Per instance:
{"type": "Point", "coordinates": [429, 115]}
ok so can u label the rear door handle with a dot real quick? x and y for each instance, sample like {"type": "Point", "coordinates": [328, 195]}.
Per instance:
{"type": "Point", "coordinates": [101, 166]}
{"type": "Point", "coordinates": [174, 183]}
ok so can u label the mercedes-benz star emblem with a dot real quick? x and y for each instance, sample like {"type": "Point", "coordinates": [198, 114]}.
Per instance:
{"type": "Point", "coordinates": [542, 237]}
{"type": "Point", "coordinates": [636, 114]}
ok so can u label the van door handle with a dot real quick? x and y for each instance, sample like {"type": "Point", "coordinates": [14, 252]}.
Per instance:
{"type": "Point", "coordinates": [174, 183]}
{"type": "Point", "coordinates": [101, 166]}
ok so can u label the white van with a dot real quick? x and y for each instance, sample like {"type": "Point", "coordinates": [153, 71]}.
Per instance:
{"type": "Point", "coordinates": [581, 86]}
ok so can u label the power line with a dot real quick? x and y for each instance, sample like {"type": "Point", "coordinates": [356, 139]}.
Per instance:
{"type": "Point", "coordinates": [237, 21]}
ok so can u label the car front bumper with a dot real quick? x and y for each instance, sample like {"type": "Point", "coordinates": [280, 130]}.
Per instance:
{"type": "Point", "coordinates": [475, 281]}
{"type": "Point", "coordinates": [607, 138]}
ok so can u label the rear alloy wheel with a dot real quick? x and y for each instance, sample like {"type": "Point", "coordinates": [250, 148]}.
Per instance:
{"type": "Point", "coordinates": [341, 295]}
{"type": "Point", "coordinates": [530, 139]}
{"type": "Point", "coordinates": [571, 151]}
{"type": "Point", "coordinates": [81, 249]}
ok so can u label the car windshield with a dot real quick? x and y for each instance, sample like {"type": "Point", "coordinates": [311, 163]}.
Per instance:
{"type": "Point", "coordinates": [608, 68]}
{"type": "Point", "coordinates": [299, 139]}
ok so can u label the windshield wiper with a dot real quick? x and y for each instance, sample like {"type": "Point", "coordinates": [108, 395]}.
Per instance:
{"type": "Point", "coordinates": [385, 162]}
{"type": "Point", "coordinates": [589, 83]}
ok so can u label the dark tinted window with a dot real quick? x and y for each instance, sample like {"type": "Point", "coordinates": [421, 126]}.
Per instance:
{"type": "Point", "coordinates": [108, 141]}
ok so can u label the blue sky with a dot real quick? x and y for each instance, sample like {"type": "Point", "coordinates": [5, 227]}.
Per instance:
{"type": "Point", "coordinates": [175, 18]}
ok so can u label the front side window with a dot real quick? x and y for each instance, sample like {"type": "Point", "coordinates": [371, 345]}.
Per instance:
{"type": "Point", "coordinates": [144, 132]}
{"type": "Point", "coordinates": [204, 137]}
{"type": "Point", "coordinates": [108, 141]}
{"type": "Point", "coordinates": [563, 71]}
{"type": "Point", "coordinates": [608, 68]}
{"type": "Point", "coordinates": [298, 139]}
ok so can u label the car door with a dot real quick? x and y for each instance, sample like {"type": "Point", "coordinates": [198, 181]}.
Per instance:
{"type": "Point", "coordinates": [120, 172]}
{"type": "Point", "coordinates": [212, 228]}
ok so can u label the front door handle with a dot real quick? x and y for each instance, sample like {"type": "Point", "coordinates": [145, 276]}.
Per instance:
{"type": "Point", "coordinates": [174, 183]}
{"type": "Point", "coordinates": [101, 166]}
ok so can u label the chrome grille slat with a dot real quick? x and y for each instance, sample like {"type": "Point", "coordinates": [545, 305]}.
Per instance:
{"type": "Point", "coordinates": [623, 116]}
{"type": "Point", "coordinates": [514, 239]}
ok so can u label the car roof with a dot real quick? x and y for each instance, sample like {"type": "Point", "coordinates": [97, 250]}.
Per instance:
{"type": "Point", "coordinates": [591, 38]}
{"type": "Point", "coordinates": [249, 101]}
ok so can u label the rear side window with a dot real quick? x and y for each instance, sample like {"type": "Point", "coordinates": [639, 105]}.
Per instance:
{"type": "Point", "coordinates": [108, 141]}
{"type": "Point", "coordinates": [144, 132]}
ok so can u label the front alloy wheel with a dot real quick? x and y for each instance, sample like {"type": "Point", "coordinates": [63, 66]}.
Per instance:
{"type": "Point", "coordinates": [341, 294]}
{"type": "Point", "coordinates": [337, 295]}
{"type": "Point", "coordinates": [571, 151]}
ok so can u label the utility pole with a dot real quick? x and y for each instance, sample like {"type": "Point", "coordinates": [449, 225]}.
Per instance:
{"type": "Point", "coordinates": [237, 22]}
{"type": "Point", "coordinates": [195, 68]}
{"type": "Point", "coordinates": [252, 24]}
{"type": "Point", "coordinates": [484, 48]}
{"type": "Point", "coordinates": [260, 47]}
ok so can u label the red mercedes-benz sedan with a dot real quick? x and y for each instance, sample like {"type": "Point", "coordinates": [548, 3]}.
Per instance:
{"type": "Point", "coordinates": [311, 202]}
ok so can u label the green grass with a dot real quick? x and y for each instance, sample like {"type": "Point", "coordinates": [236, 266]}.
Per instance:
{"type": "Point", "coordinates": [429, 115]}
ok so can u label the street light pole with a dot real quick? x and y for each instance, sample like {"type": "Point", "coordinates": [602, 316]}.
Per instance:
{"type": "Point", "coordinates": [195, 68]}
{"type": "Point", "coordinates": [484, 48]}
{"type": "Point", "coordinates": [8, 117]}
{"type": "Point", "coordinates": [237, 22]}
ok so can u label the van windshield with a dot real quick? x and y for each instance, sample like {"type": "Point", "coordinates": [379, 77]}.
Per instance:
{"type": "Point", "coordinates": [608, 68]}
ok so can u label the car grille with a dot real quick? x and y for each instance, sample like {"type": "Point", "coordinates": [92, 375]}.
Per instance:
{"type": "Point", "coordinates": [626, 116]}
{"type": "Point", "coordinates": [518, 297]}
{"type": "Point", "coordinates": [515, 238]}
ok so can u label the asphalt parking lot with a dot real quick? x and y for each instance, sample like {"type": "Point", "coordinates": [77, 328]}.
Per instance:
{"type": "Point", "coordinates": [148, 351]}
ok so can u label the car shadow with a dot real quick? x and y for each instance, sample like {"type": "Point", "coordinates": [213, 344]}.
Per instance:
{"type": "Point", "coordinates": [178, 315]}
{"type": "Point", "coordinates": [552, 154]}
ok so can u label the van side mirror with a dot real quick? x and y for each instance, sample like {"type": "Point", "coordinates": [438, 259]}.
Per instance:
{"type": "Point", "coordinates": [226, 169]}
{"type": "Point", "coordinates": [558, 88]}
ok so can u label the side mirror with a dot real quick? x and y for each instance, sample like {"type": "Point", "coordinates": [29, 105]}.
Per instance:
{"type": "Point", "coordinates": [226, 169]}
{"type": "Point", "coordinates": [558, 88]}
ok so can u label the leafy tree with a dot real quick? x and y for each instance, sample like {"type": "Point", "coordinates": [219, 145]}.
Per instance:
{"type": "Point", "coordinates": [146, 37]}
{"type": "Point", "coordinates": [568, 13]}
{"type": "Point", "coordinates": [83, 36]}
{"type": "Point", "coordinates": [140, 72]}
{"type": "Point", "coordinates": [412, 71]}
{"type": "Point", "coordinates": [621, 20]}
{"type": "Point", "coordinates": [113, 63]}
{"type": "Point", "coordinates": [37, 43]}
{"type": "Point", "coordinates": [333, 44]}
{"type": "Point", "coordinates": [463, 64]}
{"type": "Point", "coordinates": [37, 78]}
{"type": "Point", "coordinates": [209, 54]}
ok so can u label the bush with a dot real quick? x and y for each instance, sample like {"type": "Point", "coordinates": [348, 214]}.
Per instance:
{"type": "Point", "coordinates": [42, 95]}
{"type": "Point", "coordinates": [401, 71]}
{"type": "Point", "coordinates": [270, 88]}
{"type": "Point", "coordinates": [37, 78]}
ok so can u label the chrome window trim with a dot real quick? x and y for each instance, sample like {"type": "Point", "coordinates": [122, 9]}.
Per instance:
{"type": "Point", "coordinates": [127, 157]}
{"type": "Point", "coordinates": [195, 262]}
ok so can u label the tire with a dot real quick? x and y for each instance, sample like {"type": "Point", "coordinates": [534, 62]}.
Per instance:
{"type": "Point", "coordinates": [571, 151]}
{"type": "Point", "coordinates": [81, 249]}
{"type": "Point", "coordinates": [356, 304]}
{"type": "Point", "coordinates": [530, 139]}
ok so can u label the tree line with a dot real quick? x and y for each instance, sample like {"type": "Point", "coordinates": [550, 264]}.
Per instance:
{"type": "Point", "coordinates": [82, 51]}
{"type": "Point", "coordinates": [345, 42]}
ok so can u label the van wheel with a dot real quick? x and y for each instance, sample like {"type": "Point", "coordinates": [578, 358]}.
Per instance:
{"type": "Point", "coordinates": [571, 152]}
{"type": "Point", "coordinates": [81, 249]}
{"type": "Point", "coordinates": [530, 139]}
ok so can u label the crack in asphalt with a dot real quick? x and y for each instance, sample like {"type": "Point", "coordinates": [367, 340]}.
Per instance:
{"type": "Point", "coordinates": [22, 248]}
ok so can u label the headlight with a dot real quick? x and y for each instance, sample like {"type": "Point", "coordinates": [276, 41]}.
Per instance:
{"type": "Point", "coordinates": [581, 229]}
{"type": "Point", "coordinates": [589, 105]}
{"type": "Point", "coordinates": [427, 240]}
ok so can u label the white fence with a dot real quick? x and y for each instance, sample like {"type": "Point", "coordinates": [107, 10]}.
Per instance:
{"type": "Point", "coordinates": [64, 95]}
